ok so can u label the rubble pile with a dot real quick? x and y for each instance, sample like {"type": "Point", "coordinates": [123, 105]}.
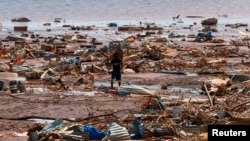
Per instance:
{"type": "Point", "coordinates": [74, 62]}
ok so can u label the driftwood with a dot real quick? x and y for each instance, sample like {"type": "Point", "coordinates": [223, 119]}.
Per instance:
{"type": "Point", "coordinates": [130, 28]}
{"type": "Point", "coordinates": [180, 102]}
{"type": "Point", "coordinates": [15, 95]}
{"type": "Point", "coordinates": [192, 101]}
{"type": "Point", "coordinates": [241, 104]}
{"type": "Point", "coordinates": [208, 94]}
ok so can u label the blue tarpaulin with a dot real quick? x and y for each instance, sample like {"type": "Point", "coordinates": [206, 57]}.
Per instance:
{"type": "Point", "coordinates": [202, 35]}
{"type": "Point", "coordinates": [94, 134]}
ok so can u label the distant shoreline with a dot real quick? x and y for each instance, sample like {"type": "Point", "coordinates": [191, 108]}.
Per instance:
{"type": "Point", "coordinates": [57, 28]}
{"type": "Point", "coordinates": [36, 25]}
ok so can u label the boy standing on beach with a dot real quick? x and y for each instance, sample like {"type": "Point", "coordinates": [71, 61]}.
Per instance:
{"type": "Point", "coordinates": [117, 64]}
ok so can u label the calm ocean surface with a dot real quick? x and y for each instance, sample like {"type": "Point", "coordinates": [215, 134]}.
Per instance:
{"type": "Point", "coordinates": [101, 12]}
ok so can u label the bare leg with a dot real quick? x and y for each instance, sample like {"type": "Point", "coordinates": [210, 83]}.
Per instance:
{"type": "Point", "coordinates": [119, 83]}
{"type": "Point", "coordinates": [112, 84]}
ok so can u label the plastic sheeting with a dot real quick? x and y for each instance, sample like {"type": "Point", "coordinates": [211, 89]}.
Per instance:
{"type": "Point", "coordinates": [94, 134]}
{"type": "Point", "coordinates": [130, 88]}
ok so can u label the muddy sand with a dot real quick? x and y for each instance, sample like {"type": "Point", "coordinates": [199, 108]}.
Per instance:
{"type": "Point", "coordinates": [88, 104]}
{"type": "Point", "coordinates": [21, 112]}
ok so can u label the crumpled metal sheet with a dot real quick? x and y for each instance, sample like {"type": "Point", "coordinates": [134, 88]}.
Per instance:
{"type": "Point", "coordinates": [116, 132]}
{"type": "Point", "coordinates": [53, 126]}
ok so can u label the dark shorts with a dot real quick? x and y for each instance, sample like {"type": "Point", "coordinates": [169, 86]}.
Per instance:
{"type": "Point", "coordinates": [116, 75]}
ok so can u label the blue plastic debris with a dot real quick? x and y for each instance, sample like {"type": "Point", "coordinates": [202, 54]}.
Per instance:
{"type": "Point", "coordinates": [137, 129]}
{"type": "Point", "coordinates": [188, 122]}
{"type": "Point", "coordinates": [200, 35]}
{"type": "Point", "coordinates": [209, 34]}
{"type": "Point", "coordinates": [73, 59]}
{"type": "Point", "coordinates": [94, 134]}
{"type": "Point", "coordinates": [122, 93]}
{"type": "Point", "coordinates": [112, 24]}
{"type": "Point", "coordinates": [203, 35]}
{"type": "Point", "coordinates": [49, 79]}
{"type": "Point", "coordinates": [91, 50]}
